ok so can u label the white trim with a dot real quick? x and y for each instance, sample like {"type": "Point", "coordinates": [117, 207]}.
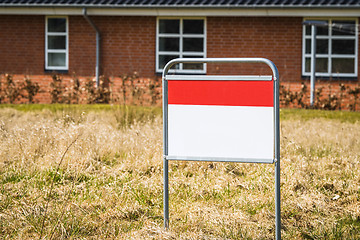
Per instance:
{"type": "Point", "coordinates": [66, 50]}
{"type": "Point", "coordinates": [220, 159]}
{"type": "Point", "coordinates": [180, 53]}
{"type": "Point", "coordinates": [191, 11]}
{"type": "Point", "coordinates": [329, 56]}
{"type": "Point", "coordinates": [218, 77]}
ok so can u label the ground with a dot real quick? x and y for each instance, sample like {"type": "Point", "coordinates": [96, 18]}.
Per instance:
{"type": "Point", "coordinates": [95, 172]}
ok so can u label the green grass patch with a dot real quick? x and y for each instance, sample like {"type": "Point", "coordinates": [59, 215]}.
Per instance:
{"type": "Point", "coordinates": [143, 112]}
{"type": "Point", "coordinates": [309, 114]}
{"type": "Point", "coordinates": [125, 115]}
{"type": "Point", "coordinates": [73, 108]}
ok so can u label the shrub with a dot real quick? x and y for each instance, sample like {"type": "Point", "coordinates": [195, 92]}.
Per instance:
{"type": "Point", "coordinates": [74, 92]}
{"type": "Point", "coordinates": [12, 90]}
{"type": "Point", "coordinates": [99, 94]}
{"type": "Point", "coordinates": [57, 89]}
{"type": "Point", "coordinates": [290, 98]}
{"type": "Point", "coordinates": [127, 85]}
{"type": "Point", "coordinates": [30, 88]}
{"type": "Point", "coordinates": [354, 92]}
{"type": "Point", "coordinates": [154, 93]}
{"type": "Point", "coordinates": [331, 101]}
{"type": "Point", "coordinates": [138, 91]}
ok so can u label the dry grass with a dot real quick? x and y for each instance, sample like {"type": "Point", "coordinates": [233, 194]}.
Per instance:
{"type": "Point", "coordinates": [88, 176]}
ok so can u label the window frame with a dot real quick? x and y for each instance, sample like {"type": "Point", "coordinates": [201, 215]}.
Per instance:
{"type": "Point", "coordinates": [330, 56]}
{"type": "Point", "coordinates": [66, 50]}
{"type": "Point", "coordinates": [181, 36]}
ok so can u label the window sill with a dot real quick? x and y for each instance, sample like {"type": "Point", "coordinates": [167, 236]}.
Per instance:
{"type": "Point", "coordinates": [56, 71]}
{"type": "Point", "coordinates": [179, 73]}
{"type": "Point", "coordinates": [334, 79]}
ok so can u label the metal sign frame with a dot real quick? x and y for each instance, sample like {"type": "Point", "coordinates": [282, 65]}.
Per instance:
{"type": "Point", "coordinates": [276, 127]}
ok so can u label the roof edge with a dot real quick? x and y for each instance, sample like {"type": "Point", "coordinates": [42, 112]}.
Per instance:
{"type": "Point", "coordinates": [186, 12]}
{"type": "Point", "coordinates": [184, 6]}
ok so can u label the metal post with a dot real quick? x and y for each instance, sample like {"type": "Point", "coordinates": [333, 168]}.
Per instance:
{"type": "Point", "coordinates": [97, 70]}
{"type": "Point", "coordinates": [314, 24]}
{"type": "Point", "coordinates": [313, 64]}
{"type": "Point", "coordinates": [277, 156]}
{"type": "Point", "coordinates": [277, 201]}
{"type": "Point", "coordinates": [98, 38]}
{"type": "Point", "coordinates": [166, 193]}
{"type": "Point", "coordinates": [166, 162]}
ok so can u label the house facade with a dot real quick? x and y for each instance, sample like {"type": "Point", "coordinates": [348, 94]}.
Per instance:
{"type": "Point", "coordinates": [42, 38]}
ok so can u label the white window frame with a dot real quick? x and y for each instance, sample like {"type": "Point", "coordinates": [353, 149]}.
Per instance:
{"type": "Point", "coordinates": [181, 53]}
{"type": "Point", "coordinates": [329, 55]}
{"type": "Point", "coordinates": [66, 51]}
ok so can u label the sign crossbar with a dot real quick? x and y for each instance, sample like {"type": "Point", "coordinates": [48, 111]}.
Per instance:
{"type": "Point", "coordinates": [218, 77]}
{"type": "Point", "coordinates": [221, 118]}
{"type": "Point", "coordinates": [219, 159]}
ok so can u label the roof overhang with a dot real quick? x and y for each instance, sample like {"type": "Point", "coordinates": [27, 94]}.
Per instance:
{"type": "Point", "coordinates": [181, 11]}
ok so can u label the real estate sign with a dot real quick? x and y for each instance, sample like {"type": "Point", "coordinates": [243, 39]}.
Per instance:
{"type": "Point", "coordinates": [221, 118]}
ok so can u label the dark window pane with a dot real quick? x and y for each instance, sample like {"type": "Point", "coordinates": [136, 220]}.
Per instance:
{"type": "Point", "coordinates": [323, 30]}
{"type": "Point", "coordinates": [56, 42]}
{"type": "Point", "coordinates": [321, 65]}
{"type": "Point", "coordinates": [344, 28]}
{"type": "Point", "coordinates": [193, 26]}
{"type": "Point", "coordinates": [169, 44]}
{"type": "Point", "coordinates": [343, 65]}
{"type": "Point", "coordinates": [193, 66]}
{"type": "Point", "coordinates": [307, 65]}
{"type": "Point", "coordinates": [343, 46]}
{"type": "Point", "coordinates": [308, 46]}
{"type": "Point", "coordinates": [322, 46]}
{"type": "Point", "coordinates": [56, 24]}
{"type": "Point", "coordinates": [320, 30]}
{"type": "Point", "coordinates": [56, 59]}
{"type": "Point", "coordinates": [193, 44]}
{"type": "Point", "coordinates": [164, 59]}
{"type": "Point", "coordinates": [169, 26]}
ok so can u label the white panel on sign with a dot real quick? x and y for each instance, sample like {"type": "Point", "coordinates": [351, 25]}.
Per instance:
{"type": "Point", "coordinates": [221, 131]}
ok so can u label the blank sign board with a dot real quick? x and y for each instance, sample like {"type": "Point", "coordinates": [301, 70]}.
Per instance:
{"type": "Point", "coordinates": [220, 118]}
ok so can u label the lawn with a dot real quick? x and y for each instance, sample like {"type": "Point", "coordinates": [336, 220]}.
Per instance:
{"type": "Point", "coordinates": [95, 172]}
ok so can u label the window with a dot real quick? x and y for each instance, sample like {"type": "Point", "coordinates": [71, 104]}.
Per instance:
{"type": "Point", "coordinates": [336, 49]}
{"type": "Point", "coordinates": [185, 38]}
{"type": "Point", "coordinates": [56, 43]}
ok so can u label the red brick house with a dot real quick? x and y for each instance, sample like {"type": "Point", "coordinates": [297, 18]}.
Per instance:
{"type": "Point", "coordinates": [38, 38]}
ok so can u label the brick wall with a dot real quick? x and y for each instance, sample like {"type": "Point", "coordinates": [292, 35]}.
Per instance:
{"type": "Point", "coordinates": [22, 44]}
{"type": "Point", "coordinates": [128, 45]}
{"type": "Point", "coordinates": [275, 38]}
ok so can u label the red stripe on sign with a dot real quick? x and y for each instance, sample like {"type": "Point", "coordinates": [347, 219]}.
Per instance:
{"type": "Point", "coordinates": [225, 93]}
